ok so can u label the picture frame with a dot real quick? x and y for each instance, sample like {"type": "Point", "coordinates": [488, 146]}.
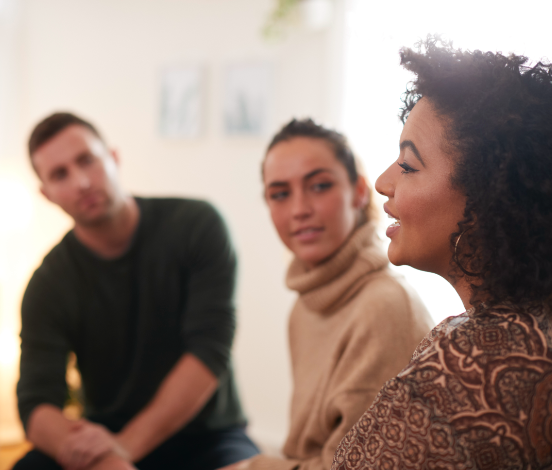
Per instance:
{"type": "Point", "coordinates": [247, 98]}
{"type": "Point", "coordinates": [182, 107]}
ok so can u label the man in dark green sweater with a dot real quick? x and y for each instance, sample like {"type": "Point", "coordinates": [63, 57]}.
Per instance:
{"type": "Point", "coordinates": [141, 290]}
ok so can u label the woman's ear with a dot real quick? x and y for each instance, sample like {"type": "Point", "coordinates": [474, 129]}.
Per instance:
{"type": "Point", "coordinates": [362, 193]}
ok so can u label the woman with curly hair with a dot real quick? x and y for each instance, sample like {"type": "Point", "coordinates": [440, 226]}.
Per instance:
{"type": "Point", "coordinates": [471, 193]}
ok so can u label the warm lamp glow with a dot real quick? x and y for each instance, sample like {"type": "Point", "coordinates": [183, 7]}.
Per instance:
{"type": "Point", "coordinates": [9, 348]}
{"type": "Point", "coordinates": [16, 206]}
{"type": "Point", "coordinates": [16, 218]}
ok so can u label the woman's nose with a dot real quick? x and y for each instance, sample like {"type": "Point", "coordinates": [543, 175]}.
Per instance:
{"type": "Point", "coordinates": [301, 207]}
{"type": "Point", "coordinates": [384, 184]}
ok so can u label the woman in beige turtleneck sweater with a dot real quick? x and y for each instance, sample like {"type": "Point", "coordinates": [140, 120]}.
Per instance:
{"type": "Point", "coordinates": [355, 324]}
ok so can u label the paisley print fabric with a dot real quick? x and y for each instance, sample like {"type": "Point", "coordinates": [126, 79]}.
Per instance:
{"type": "Point", "coordinates": [476, 395]}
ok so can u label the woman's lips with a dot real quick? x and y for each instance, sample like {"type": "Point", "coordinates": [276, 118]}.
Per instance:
{"type": "Point", "coordinates": [393, 228]}
{"type": "Point", "coordinates": [395, 225]}
{"type": "Point", "coordinates": [308, 233]}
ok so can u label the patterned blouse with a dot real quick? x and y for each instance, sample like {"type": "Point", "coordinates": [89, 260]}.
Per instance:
{"type": "Point", "coordinates": [476, 395]}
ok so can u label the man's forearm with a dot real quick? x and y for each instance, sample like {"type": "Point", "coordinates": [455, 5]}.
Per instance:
{"type": "Point", "coordinates": [181, 395]}
{"type": "Point", "coordinates": [47, 428]}
{"type": "Point", "coordinates": [50, 431]}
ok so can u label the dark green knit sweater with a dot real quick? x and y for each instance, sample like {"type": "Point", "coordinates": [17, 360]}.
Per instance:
{"type": "Point", "coordinates": [130, 319]}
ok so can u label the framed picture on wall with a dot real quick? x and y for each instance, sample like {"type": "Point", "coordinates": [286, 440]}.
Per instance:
{"type": "Point", "coordinates": [247, 99]}
{"type": "Point", "coordinates": [182, 102]}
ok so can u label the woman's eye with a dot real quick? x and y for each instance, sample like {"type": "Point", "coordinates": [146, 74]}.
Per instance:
{"type": "Point", "coordinates": [319, 187]}
{"type": "Point", "coordinates": [407, 168]}
{"type": "Point", "coordinates": [279, 195]}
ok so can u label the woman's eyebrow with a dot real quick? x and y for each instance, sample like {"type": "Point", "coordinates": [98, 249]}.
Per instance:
{"type": "Point", "coordinates": [309, 175]}
{"type": "Point", "coordinates": [278, 184]}
{"type": "Point", "coordinates": [409, 144]}
{"type": "Point", "coordinates": [316, 172]}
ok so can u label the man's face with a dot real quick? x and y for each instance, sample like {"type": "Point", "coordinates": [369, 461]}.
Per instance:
{"type": "Point", "coordinates": [80, 175]}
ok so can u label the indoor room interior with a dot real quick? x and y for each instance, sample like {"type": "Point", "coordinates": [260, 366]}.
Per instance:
{"type": "Point", "coordinates": [189, 92]}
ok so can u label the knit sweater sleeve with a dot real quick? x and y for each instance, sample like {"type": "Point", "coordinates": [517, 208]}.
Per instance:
{"type": "Point", "coordinates": [209, 324]}
{"type": "Point", "coordinates": [44, 349]}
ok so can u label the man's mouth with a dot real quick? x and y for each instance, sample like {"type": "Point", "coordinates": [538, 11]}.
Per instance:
{"type": "Point", "coordinates": [91, 199]}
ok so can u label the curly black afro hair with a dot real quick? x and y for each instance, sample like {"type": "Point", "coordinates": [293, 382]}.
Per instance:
{"type": "Point", "coordinates": [497, 112]}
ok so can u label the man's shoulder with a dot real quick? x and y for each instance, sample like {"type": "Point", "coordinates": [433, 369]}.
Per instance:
{"type": "Point", "coordinates": [172, 202]}
{"type": "Point", "coordinates": [56, 269]}
{"type": "Point", "coordinates": [180, 217]}
{"type": "Point", "coordinates": [157, 209]}
{"type": "Point", "coordinates": [59, 256]}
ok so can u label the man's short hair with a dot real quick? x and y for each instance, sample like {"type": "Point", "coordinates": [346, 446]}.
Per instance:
{"type": "Point", "coordinates": [53, 125]}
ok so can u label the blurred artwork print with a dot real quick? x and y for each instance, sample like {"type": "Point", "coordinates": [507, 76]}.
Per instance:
{"type": "Point", "coordinates": [247, 99]}
{"type": "Point", "coordinates": [182, 102]}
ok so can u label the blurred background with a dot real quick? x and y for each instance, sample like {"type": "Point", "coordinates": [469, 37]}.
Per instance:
{"type": "Point", "coordinates": [189, 93]}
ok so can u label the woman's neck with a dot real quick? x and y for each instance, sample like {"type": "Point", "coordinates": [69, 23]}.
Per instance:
{"type": "Point", "coordinates": [463, 289]}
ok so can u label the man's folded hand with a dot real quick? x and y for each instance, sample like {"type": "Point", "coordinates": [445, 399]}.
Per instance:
{"type": "Point", "coordinates": [87, 444]}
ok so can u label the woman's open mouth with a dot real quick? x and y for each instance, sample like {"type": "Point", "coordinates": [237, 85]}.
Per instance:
{"type": "Point", "coordinates": [397, 222]}
{"type": "Point", "coordinates": [395, 225]}
{"type": "Point", "coordinates": [308, 233]}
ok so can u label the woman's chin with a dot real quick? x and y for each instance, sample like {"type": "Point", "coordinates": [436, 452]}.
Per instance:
{"type": "Point", "coordinates": [421, 263]}
{"type": "Point", "coordinates": [312, 258]}
{"type": "Point", "coordinates": [395, 256]}
{"type": "Point", "coordinates": [310, 262]}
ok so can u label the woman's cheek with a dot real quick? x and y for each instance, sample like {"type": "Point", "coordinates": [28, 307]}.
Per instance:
{"type": "Point", "coordinates": [279, 221]}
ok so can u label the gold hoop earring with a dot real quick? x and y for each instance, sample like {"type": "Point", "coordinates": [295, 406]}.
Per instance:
{"type": "Point", "coordinates": [457, 261]}
{"type": "Point", "coordinates": [456, 244]}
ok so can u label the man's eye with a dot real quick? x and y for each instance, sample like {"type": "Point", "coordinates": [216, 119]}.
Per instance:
{"type": "Point", "coordinates": [58, 175]}
{"type": "Point", "coordinates": [86, 159]}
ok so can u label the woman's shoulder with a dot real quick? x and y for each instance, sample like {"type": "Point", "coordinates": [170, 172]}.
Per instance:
{"type": "Point", "coordinates": [502, 331]}
{"type": "Point", "coordinates": [386, 293]}
{"type": "Point", "coordinates": [387, 286]}
{"type": "Point", "coordinates": [489, 376]}
{"type": "Point", "coordinates": [442, 329]}
{"type": "Point", "coordinates": [486, 337]}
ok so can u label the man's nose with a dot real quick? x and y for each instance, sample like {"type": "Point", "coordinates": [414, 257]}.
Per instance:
{"type": "Point", "coordinates": [82, 179]}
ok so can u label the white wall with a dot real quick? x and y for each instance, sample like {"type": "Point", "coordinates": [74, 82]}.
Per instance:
{"type": "Point", "coordinates": [102, 59]}
{"type": "Point", "coordinates": [9, 260]}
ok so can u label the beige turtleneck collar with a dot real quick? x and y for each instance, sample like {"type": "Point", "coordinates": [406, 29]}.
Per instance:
{"type": "Point", "coordinates": [330, 284]}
